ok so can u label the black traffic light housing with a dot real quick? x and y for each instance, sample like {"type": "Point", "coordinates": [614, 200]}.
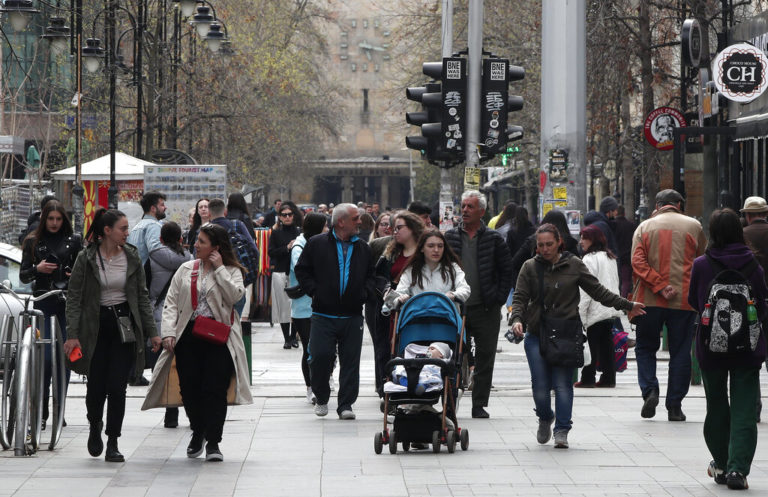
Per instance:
{"type": "Point", "coordinates": [495, 130]}
{"type": "Point", "coordinates": [443, 115]}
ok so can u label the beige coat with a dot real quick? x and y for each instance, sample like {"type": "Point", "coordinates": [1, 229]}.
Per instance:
{"type": "Point", "coordinates": [177, 311]}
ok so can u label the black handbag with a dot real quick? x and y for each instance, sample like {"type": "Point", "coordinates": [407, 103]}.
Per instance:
{"type": "Point", "coordinates": [294, 292]}
{"type": "Point", "coordinates": [561, 341]}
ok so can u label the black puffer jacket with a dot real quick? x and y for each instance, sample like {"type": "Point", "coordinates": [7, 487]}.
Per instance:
{"type": "Point", "coordinates": [493, 263]}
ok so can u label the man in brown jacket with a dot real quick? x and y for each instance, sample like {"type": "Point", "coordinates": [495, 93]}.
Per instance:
{"type": "Point", "coordinates": [663, 250]}
{"type": "Point", "coordinates": [756, 233]}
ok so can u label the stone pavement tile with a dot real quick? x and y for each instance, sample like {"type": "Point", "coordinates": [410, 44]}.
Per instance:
{"type": "Point", "coordinates": [267, 485]}
{"type": "Point", "coordinates": [10, 484]}
{"type": "Point", "coordinates": [112, 491]}
{"type": "Point", "coordinates": [415, 477]}
{"type": "Point", "coordinates": [461, 490]}
{"type": "Point", "coordinates": [609, 475]}
{"type": "Point", "coordinates": [63, 487]}
{"type": "Point", "coordinates": [488, 475]}
{"type": "Point", "coordinates": [371, 486]}
{"type": "Point", "coordinates": [552, 475]}
{"type": "Point", "coordinates": [648, 458]}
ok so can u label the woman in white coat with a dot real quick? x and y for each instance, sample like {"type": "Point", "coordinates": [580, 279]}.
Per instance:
{"type": "Point", "coordinates": [210, 376]}
{"type": "Point", "coordinates": [433, 268]}
{"type": "Point", "coordinates": [596, 318]}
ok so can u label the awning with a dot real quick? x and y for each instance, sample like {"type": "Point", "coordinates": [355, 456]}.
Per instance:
{"type": "Point", "coordinates": [750, 127]}
{"type": "Point", "coordinates": [126, 168]}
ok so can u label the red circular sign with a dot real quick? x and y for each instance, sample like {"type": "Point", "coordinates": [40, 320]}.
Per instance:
{"type": "Point", "coordinates": [659, 127]}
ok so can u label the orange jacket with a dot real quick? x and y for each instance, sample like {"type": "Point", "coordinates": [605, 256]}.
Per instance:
{"type": "Point", "coordinates": [663, 250]}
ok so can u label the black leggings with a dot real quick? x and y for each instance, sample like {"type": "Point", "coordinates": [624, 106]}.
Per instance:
{"type": "Point", "coordinates": [600, 338]}
{"type": "Point", "coordinates": [302, 327]}
{"type": "Point", "coordinates": [108, 374]}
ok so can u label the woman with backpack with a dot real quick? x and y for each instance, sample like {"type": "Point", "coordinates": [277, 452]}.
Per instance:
{"type": "Point", "coordinates": [596, 318]}
{"type": "Point", "coordinates": [731, 377]}
{"type": "Point", "coordinates": [163, 263]}
{"type": "Point", "coordinates": [301, 308]}
{"type": "Point", "coordinates": [281, 240]}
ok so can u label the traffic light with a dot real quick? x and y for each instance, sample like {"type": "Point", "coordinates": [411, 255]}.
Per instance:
{"type": "Point", "coordinates": [495, 131]}
{"type": "Point", "coordinates": [443, 115]}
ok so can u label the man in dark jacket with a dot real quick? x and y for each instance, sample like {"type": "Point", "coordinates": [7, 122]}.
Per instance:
{"type": "Point", "coordinates": [488, 268]}
{"type": "Point", "coordinates": [608, 209]}
{"type": "Point", "coordinates": [624, 229]}
{"type": "Point", "coordinates": [756, 233]}
{"type": "Point", "coordinates": [335, 270]}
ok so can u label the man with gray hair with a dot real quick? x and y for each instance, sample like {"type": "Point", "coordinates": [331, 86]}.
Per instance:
{"type": "Point", "coordinates": [335, 269]}
{"type": "Point", "coordinates": [488, 268]}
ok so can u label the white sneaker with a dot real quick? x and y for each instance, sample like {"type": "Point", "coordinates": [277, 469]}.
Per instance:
{"type": "Point", "coordinates": [346, 414]}
{"type": "Point", "coordinates": [321, 409]}
{"type": "Point", "coordinates": [311, 399]}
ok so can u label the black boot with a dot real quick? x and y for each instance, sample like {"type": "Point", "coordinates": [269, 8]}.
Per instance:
{"type": "Point", "coordinates": [113, 455]}
{"type": "Point", "coordinates": [286, 329]}
{"type": "Point", "coordinates": [171, 417]}
{"type": "Point", "coordinates": [95, 444]}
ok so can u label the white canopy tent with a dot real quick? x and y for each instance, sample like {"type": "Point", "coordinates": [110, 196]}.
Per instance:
{"type": "Point", "coordinates": [126, 168]}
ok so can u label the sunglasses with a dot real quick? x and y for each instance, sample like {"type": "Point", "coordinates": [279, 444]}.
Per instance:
{"type": "Point", "coordinates": [286, 214]}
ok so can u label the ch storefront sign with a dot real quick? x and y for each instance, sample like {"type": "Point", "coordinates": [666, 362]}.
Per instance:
{"type": "Point", "coordinates": [739, 72]}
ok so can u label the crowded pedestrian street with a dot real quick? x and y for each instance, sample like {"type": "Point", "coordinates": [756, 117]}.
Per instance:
{"type": "Point", "coordinates": [278, 447]}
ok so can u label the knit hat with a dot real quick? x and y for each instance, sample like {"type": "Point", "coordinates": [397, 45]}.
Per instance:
{"type": "Point", "coordinates": [755, 204]}
{"type": "Point", "coordinates": [443, 348]}
{"type": "Point", "coordinates": [608, 204]}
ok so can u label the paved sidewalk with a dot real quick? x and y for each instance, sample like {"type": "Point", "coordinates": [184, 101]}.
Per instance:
{"type": "Point", "coordinates": [278, 447]}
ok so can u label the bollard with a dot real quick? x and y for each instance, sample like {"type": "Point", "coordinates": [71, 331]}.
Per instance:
{"type": "Point", "coordinates": [246, 327]}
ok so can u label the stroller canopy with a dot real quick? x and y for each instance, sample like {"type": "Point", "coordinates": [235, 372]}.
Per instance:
{"type": "Point", "coordinates": [428, 317]}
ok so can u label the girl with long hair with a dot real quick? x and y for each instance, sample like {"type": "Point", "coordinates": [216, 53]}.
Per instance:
{"type": "Point", "coordinates": [205, 369]}
{"type": "Point", "coordinates": [596, 318]}
{"type": "Point", "coordinates": [109, 318]}
{"type": "Point", "coordinates": [49, 253]}
{"type": "Point", "coordinates": [202, 216]}
{"type": "Point", "coordinates": [434, 268]}
{"type": "Point", "coordinates": [301, 308]}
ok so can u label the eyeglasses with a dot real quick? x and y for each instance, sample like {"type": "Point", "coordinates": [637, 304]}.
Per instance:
{"type": "Point", "coordinates": [400, 226]}
{"type": "Point", "coordinates": [385, 224]}
{"type": "Point", "coordinates": [286, 214]}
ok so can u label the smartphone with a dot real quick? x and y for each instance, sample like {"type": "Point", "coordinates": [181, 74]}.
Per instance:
{"type": "Point", "coordinates": [75, 355]}
{"type": "Point", "coordinates": [510, 335]}
{"type": "Point", "coordinates": [52, 259]}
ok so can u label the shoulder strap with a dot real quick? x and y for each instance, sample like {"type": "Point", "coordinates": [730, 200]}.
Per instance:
{"type": "Point", "coordinates": [540, 272]}
{"type": "Point", "coordinates": [195, 270]}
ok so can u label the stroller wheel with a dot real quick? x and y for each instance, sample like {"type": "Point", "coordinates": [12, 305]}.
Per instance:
{"type": "Point", "coordinates": [406, 446]}
{"type": "Point", "coordinates": [436, 442]}
{"type": "Point", "coordinates": [377, 443]}
{"type": "Point", "coordinates": [392, 442]}
{"type": "Point", "coordinates": [464, 438]}
{"type": "Point", "coordinates": [450, 441]}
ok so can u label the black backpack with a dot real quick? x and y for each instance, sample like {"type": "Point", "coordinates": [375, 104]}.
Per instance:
{"type": "Point", "coordinates": [246, 254]}
{"type": "Point", "coordinates": [727, 328]}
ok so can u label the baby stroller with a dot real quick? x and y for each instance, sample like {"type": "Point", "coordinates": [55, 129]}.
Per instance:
{"type": "Point", "coordinates": [423, 319]}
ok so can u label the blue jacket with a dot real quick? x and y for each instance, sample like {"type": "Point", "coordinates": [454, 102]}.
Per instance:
{"type": "Point", "coordinates": [338, 285]}
{"type": "Point", "coordinates": [301, 308]}
{"type": "Point", "coordinates": [145, 236]}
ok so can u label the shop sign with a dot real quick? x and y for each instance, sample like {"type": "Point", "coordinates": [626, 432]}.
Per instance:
{"type": "Point", "coordinates": [660, 126]}
{"type": "Point", "coordinates": [739, 72]}
{"type": "Point", "coordinates": [691, 42]}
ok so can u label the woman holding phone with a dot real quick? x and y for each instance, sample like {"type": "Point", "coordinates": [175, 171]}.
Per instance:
{"type": "Point", "coordinates": [49, 254]}
{"type": "Point", "coordinates": [202, 291]}
{"type": "Point", "coordinates": [109, 318]}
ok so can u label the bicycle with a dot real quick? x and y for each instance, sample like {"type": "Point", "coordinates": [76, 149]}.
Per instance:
{"type": "Point", "coordinates": [22, 350]}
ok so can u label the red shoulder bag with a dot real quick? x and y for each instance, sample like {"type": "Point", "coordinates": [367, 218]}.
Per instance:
{"type": "Point", "coordinates": [208, 329]}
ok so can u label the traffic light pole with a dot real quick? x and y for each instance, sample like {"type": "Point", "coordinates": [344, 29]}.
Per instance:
{"type": "Point", "coordinates": [446, 196]}
{"type": "Point", "coordinates": [474, 80]}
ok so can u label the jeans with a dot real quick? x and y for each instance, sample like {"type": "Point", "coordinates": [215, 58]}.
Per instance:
{"type": "Point", "coordinates": [680, 327]}
{"type": "Point", "coordinates": [544, 379]}
{"type": "Point", "coordinates": [52, 306]}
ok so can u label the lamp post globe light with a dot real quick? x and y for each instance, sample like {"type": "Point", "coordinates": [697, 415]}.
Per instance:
{"type": "Point", "coordinates": [215, 37]}
{"type": "Point", "coordinates": [19, 12]}
{"type": "Point", "coordinates": [93, 54]}
{"type": "Point", "coordinates": [187, 6]}
{"type": "Point", "coordinates": [57, 34]}
{"type": "Point", "coordinates": [202, 20]}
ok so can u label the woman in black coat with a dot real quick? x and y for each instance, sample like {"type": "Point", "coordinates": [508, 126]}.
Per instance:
{"type": "Point", "coordinates": [238, 209]}
{"type": "Point", "coordinates": [284, 232]}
